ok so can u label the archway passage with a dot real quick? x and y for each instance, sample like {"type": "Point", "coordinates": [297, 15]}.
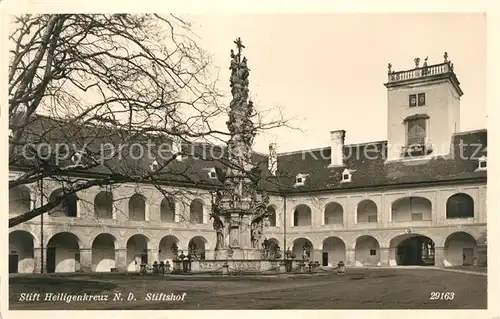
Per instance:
{"type": "Point", "coordinates": [103, 205]}
{"type": "Point", "coordinates": [63, 253]}
{"type": "Point", "coordinates": [334, 214]}
{"type": "Point", "coordinates": [19, 200]}
{"type": "Point", "coordinates": [303, 248]}
{"type": "Point", "coordinates": [333, 251]}
{"type": "Point", "coordinates": [460, 249]}
{"type": "Point", "coordinates": [21, 252]}
{"type": "Point", "coordinates": [196, 212]}
{"type": "Point", "coordinates": [103, 253]}
{"type": "Point", "coordinates": [68, 207]}
{"type": "Point", "coordinates": [367, 251]}
{"type": "Point", "coordinates": [196, 248]}
{"type": "Point", "coordinates": [367, 212]}
{"type": "Point", "coordinates": [302, 216]}
{"type": "Point", "coordinates": [413, 250]}
{"type": "Point", "coordinates": [169, 246]}
{"type": "Point", "coordinates": [409, 209]}
{"type": "Point", "coordinates": [137, 252]}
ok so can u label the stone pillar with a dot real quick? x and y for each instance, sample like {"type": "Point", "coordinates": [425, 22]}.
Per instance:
{"type": "Point", "coordinates": [439, 256]}
{"type": "Point", "coordinates": [153, 256]}
{"type": "Point", "coordinates": [384, 256]}
{"type": "Point", "coordinates": [317, 254]}
{"type": "Point", "coordinates": [37, 256]}
{"type": "Point", "coordinates": [121, 259]}
{"type": "Point", "coordinates": [481, 256]}
{"type": "Point", "coordinates": [86, 260]}
{"type": "Point", "coordinates": [350, 256]}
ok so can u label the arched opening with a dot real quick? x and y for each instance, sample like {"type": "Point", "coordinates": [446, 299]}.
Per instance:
{"type": "Point", "coordinates": [460, 249]}
{"type": "Point", "coordinates": [334, 214]}
{"type": "Point", "coordinates": [302, 216]}
{"type": "Point", "coordinates": [271, 219]}
{"type": "Point", "coordinates": [169, 246]}
{"type": "Point", "coordinates": [137, 207]}
{"type": "Point", "coordinates": [412, 249]}
{"type": "Point", "coordinates": [333, 251]}
{"type": "Point", "coordinates": [167, 210]}
{"type": "Point", "coordinates": [460, 206]}
{"type": "Point", "coordinates": [196, 212]}
{"type": "Point", "coordinates": [68, 207]}
{"type": "Point", "coordinates": [196, 248]}
{"type": "Point", "coordinates": [367, 251]}
{"type": "Point", "coordinates": [411, 209]}
{"type": "Point", "coordinates": [103, 253]}
{"type": "Point", "coordinates": [63, 253]}
{"type": "Point", "coordinates": [137, 252]}
{"type": "Point", "coordinates": [19, 200]}
{"type": "Point", "coordinates": [103, 205]}
{"type": "Point", "coordinates": [21, 252]}
{"type": "Point", "coordinates": [367, 211]}
{"type": "Point", "coordinates": [303, 249]}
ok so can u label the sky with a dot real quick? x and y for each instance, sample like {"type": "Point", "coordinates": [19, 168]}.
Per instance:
{"type": "Point", "coordinates": [326, 71]}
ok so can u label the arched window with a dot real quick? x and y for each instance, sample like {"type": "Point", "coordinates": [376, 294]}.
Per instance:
{"type": "Point", "coordinates": [460, 206]}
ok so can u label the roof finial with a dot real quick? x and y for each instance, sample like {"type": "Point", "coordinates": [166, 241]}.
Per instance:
{"type": "Point", "coordinates": [417, 62]}
{"type": "Point", "coordinates": [445, 56]}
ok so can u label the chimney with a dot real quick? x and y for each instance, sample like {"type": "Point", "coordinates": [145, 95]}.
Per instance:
{"type": "Point", "coordinates": [273, 159]}
{"type": "Point", "coordinates": [176, 148]}
{"type": "Point", "coordinates": [337, 148]}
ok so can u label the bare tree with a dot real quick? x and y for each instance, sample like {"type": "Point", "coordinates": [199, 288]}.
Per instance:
{"type": "Point", "coordinates": [90, 94]}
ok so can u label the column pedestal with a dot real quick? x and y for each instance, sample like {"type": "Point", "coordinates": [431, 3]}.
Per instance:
{"type": "Point", "coordinates": [37, 256]}
{"type": "Point", "coordinates": [384, 256]}
{"type": "Point", "coordinates": [86, 260]}
{"type": "Point", "coordinates": [121, 260]}
{"type": "Point", "coordinates": [439, 257]}
{"type": "Point", "coordinates": [350, 255]}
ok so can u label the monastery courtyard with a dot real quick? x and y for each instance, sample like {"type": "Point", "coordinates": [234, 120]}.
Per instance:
{"type": "Point", "coordinates": [373, 288]}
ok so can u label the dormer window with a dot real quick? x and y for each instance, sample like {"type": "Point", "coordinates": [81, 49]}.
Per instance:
{"type": "Point", "coordinates": [154, 166]}
{"type": "Point", "coordinates": [212, 174]}
{"type": "Point", "coordinates": [482, 164]}
{"type": "Point", "coordinates": [346, 176]}
{"type": "Point", "coordinates": [300, 179]}
{"type": "Point", "coordinates": [76, 158]}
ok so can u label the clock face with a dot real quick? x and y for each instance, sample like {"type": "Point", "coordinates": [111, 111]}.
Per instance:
{"type": "Point", "coordinates": [413, 101]}
{"type": "Point", "coordinates": [421, 100]}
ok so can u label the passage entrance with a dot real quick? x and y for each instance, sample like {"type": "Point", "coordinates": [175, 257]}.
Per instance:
{"type": "Point", "coordinates": [13, 263]}
{"type": "Point", "coordinates": [418, 250]}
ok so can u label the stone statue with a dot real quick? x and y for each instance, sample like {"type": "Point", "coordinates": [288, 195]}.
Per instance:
{"type": "Point", "coordinates": [217, 222]}
{"type": "Point", "coordinates": [389, 67]}
{"type": "Point", "coordinates": [445, 57]}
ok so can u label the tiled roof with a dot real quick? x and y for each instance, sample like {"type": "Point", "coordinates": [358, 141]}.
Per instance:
{"type": "Point", "coordinates": [376, 171]}
{"type": "Point", "coordinates": [366, 172]}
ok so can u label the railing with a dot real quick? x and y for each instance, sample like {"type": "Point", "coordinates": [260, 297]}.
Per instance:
{"type": "Point", "coordinates": [442, 68]}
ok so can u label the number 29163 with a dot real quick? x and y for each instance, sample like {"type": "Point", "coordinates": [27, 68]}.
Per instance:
{"type": "Point", "coordinates": [442, 296]}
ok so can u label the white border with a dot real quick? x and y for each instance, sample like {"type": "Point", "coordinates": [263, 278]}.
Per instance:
{"type": "Point", "coordinates": [285, 6]}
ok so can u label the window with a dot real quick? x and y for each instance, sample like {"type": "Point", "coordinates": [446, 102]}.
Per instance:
{"type": "Point", "coordinates": [416, 216]}
{"type": "Point", "coordinates": [346, 175]}
{"type": "Point", "coordinates": [373, 252]}
{"type": "Point", "coordinates": [421, 99]}
{"type": "Point", "coordinates": [372, 219]}
{"type": "Point", "coordinates": [299, 180]}
{"type": "Point", "coordinates": [412, 100]}
{"type": "Point", "coordinates": [212, 174]}
{"type": "Point", "coordinates": [416, 131]}
{"type": "Point", "coordinates": [154, 166]}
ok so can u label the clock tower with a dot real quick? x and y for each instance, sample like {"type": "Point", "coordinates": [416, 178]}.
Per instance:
{"type": "Point", "coordinates": [423, 110]}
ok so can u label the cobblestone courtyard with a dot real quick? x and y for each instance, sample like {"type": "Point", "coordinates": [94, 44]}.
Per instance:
{"type": "Point", "coordinates": [357, 289]}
